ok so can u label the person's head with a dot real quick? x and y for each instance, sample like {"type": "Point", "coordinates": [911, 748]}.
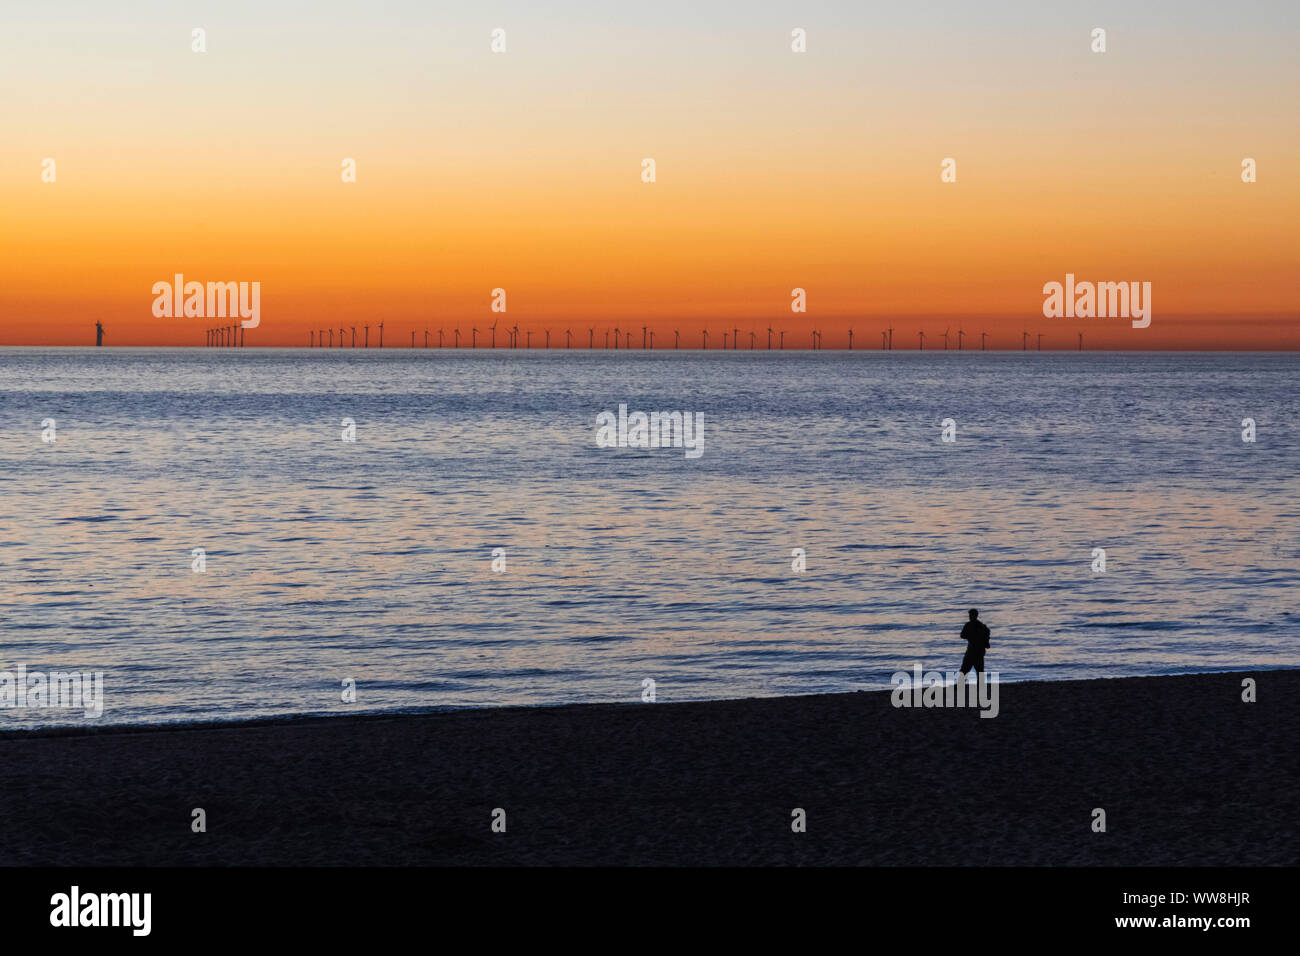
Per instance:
{"type": "Point", "coordinates": [973, 613]}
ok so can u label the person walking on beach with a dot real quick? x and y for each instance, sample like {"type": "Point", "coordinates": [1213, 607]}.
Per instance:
{"type": "Point", "coordinates": [976, 636]}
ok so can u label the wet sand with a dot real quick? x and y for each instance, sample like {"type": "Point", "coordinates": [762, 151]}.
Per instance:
{"type": "Point", "coordinates": [1186, 772]}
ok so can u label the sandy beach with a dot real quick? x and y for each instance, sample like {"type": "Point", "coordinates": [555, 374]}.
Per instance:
{"type": "Point", "coordinates": [1187, 773]}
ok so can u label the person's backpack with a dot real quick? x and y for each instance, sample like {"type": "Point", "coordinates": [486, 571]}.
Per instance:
{"type": "Point", "coordinates": [985, 629]}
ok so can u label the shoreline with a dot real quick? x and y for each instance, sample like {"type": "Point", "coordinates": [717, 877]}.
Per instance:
{"type": "Point", "coordinates": [298, 719]}
{"type": "Point", "coordinates": [1187, 773]}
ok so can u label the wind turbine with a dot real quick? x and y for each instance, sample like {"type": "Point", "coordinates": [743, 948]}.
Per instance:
{"type": "Point", "coordinates": [945, 338]}
{"type": "Point", "coordinates": [548, 338]}
{"type": "Point", "coordinates": [677, 338]}
{"type": "Point", "coordinates": [1080, 341]}
{"type": "Point", "coordinates": [850, 340]}
{"type": "Point", "coordinates": [514, 338]}
{"type": "Point", "coordinates": [643, 330]}
{"type": "Point", "coordinates": [769, 338]}
{"type": "Point", "coordinates": [891, 340]}
{"type": "Point", "coordinates": [616, 337]}
{"type": "Point", "coordinates": [528, 339]}
{"type": "Point", "coordinates": [751, 340]}
{"type": "Point", "coordinates": [412, 338]}
{"type": "Point", "coordinates": [381, 335]}
{"type": "Point", "coordinates": [331, 338]}
{"type": "Point", "coordinates": [724, 341]}
{"type": "Point", "coordinates": [607, 341]}
{"type": "Point", "coordinates": [983, 343]}
{"type": "Point", "coordinates": [341, 331]}
{"type": "Point", "coordinates": [735, 339]}
{"type": "Point", "coordinates": [354, 336]}
{"type": "Point", "coordinates": [1024, 341]}
{"type": "Point", "coordinates": [457, 335]}
{"type": "Point", "coordinates": [494, 335]}
{"type": "Point", "coordinates": [473, 338]}
{"type": "Point", "coordinates": [960, 335]}
{"type": "Point", "coordinates": [922, 338]}
{"type": "Point", "coordinates": [652, 340]}
{"type": "Point", "coordinates": [367, 345]}
{"type": "Point", "coordinates": [706, 337]}
{"type": "Point", "coordinates": [311, 338]}
{"type": "Point", "coordinates": [782, 349]}
{"type": "Point", "coordinates": [1040, 341]}
{"type": "Point", "coordinates": [882, 341]}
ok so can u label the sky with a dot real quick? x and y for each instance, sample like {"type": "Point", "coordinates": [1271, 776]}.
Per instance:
{"type": "Point", "coordinates": [775, 170]}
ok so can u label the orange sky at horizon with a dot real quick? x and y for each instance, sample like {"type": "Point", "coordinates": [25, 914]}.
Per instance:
{"type": "Point", "coordinates": [772, 173]}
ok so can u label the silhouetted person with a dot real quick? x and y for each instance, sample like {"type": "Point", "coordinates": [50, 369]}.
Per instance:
{"type": "Point", "coordinates": [99, 333]}
{"type": "Point", "coordinates": [976, 636]}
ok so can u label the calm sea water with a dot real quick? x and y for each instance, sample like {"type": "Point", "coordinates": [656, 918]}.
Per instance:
{"type": "Point", "coordinates": [372, 560]}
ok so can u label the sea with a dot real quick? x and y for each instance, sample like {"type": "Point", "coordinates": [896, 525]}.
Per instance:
{"type": "Point", "coordinates": [227, 534]}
